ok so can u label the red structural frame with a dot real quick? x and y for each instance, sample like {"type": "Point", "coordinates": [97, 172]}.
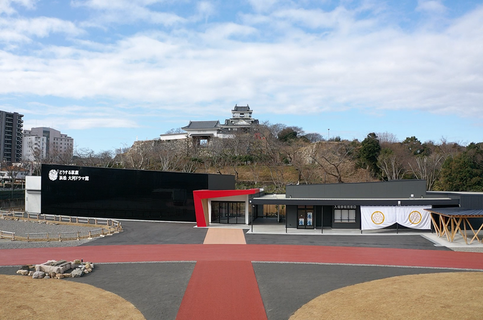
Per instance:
{"type": "Point", "coordinates": [199, 195]}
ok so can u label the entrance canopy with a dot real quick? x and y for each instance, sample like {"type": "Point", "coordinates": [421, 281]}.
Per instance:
{"type": "Point", "coordinates": [458, 212]}
{"type": "Point", "coordinates": [453, 220]}
{"type": "Point", "coordinates": [201, 198]}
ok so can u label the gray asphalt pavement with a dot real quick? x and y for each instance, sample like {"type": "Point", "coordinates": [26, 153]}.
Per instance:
{"type": "Point", "coordinates": [140, 232]}
{"type": "Point", "coordinates": [285, 287]}
{"type": "Point", "coordinates": [156, 289]}
{"type": "Point", "coordinates": [396, 241]}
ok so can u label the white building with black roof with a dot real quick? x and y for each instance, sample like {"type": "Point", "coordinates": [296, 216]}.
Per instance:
{"type": "Point", "coordinates": [241, 119]}
{"type": "Point", "coordinates": [203, 131]}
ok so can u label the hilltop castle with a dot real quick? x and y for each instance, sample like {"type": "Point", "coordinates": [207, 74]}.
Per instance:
{"type": "Point", "coordinates": [203, 131]}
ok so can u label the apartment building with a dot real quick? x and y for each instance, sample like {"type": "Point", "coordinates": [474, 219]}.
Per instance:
{"type": "Point", "coordinates": [11, 127]}
{"type": "Point", "coordinates": [43, 142]}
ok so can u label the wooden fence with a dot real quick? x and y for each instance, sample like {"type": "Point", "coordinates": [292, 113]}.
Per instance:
{"type": "Point", "coordinates": [103, 226]}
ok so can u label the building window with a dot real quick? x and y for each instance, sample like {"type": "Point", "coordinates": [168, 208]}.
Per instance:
{"type": "Point", "coordinates": [228, 212]}
{"type": "Point", "coordinates": [345, 214]}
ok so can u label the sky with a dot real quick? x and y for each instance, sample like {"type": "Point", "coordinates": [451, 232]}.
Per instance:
{"type": "Point", "coordinates": [110, 72]}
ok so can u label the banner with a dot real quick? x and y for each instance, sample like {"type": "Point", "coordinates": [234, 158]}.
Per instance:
{"type": "Point", "coordinates": [414, 217]}
{"type": "Point", "coordinates": [378, 217]}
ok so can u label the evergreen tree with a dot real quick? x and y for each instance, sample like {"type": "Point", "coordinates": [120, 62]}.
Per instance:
{"type": "Point", "coordinates": [369, 153]}
{"type": "Point", "coordinates": [464, 171]}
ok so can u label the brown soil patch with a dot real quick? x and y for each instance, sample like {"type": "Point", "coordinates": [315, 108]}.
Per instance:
{"type": "Point", "coordinates": [427, 296]}
{"type": "Point", "coordinates": [25, 298]}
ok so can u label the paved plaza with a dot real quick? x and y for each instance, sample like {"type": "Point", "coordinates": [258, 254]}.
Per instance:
{"type": "Point", "coordinates": [178, 271]}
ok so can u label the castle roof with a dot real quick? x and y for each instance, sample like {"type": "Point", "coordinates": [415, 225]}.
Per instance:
{"type": "Point", "coordinates": [202, 125]}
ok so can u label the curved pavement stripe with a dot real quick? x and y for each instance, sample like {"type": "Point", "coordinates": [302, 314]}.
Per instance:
{"type": "Point", "coordinates": [234, 252]}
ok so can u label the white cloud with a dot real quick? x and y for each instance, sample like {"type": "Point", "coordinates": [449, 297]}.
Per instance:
{"type": "Point", "coordinates": [80, 123]}
{"type": "Point", "coordinates": [22, 30]}
{"type": "Point", "coordinates": [316, 18]}
{"type": "Point", "coordinates": [227, 30]}
{"type": "Point", "coordinates": [127, 11]}
{"type": "Point", "coordinates": [40, 27]}
{"type": "Point", "coordinates": [89, 123]}
{"type": "Point", "coordinates": [437, 71]}
{"type": "Point", "coordinates": [263, 5]}
{"type": "Point", "coordinates": [113, 4]}
{"type": "Point", "coordinates": [431, 7]}
{"type": "Point", "coordinates": [76, 117]}
{"type": "Point", "coordinates": [205, 10]}
{"type": "Point", "coordinates": [6, 6]}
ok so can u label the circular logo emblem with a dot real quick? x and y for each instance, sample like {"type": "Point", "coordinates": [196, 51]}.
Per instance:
{"type": "Point", "coordinates": [415, 217]}
{"type": "Point", "coordinates": [53, 175]}
{"type": "Point", "coordinates": [377, 217]}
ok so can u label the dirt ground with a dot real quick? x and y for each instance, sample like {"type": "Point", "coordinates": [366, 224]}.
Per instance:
{"type": "Point", "coordinates": [430, 296]}
{"type": "Point", "coordinates": [25, 298]}
{"type": "Point", "coordinates": [427, 296]}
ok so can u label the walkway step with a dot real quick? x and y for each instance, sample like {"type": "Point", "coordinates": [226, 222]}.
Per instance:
{"type": "Point", "coordinates": [222, 290]}
{"type": "Point", "coordinates": [224, 236]}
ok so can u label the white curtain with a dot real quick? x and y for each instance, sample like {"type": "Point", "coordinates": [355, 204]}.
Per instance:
{"type": "Point", "coordinates": [378, 217]}
{"type": "Point", "coordinates": [414, 217]}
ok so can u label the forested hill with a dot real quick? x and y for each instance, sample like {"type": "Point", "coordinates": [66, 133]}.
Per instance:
{"type": "Point", "coordinates": [272, 156]}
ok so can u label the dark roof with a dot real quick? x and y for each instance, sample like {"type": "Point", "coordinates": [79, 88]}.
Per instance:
{"type": "Point", "coordinates": [241, 108]}
{"type": "Point", "coordinates": [202, 125]}
{"type": "Point", "coordinates": [402, 189]}
{"type": "Point", "coordinates": [458, 212]}
{"type": "Point", "coordinates": [270, 199]}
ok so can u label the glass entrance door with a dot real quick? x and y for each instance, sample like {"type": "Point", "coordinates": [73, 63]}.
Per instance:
{"type": "Point", "coordinates": [228, 212]}
{"type": "Point", "coordinates": [305, 217]}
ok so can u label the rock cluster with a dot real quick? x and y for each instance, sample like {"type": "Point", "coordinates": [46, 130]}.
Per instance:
{"type": "Point", "coordinates": [76, 268]}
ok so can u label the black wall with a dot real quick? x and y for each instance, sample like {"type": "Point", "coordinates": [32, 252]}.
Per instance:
{"type": "Point", "coordinates": [388, 189]}
{"type": "Point", "coordinates": [124, 194]}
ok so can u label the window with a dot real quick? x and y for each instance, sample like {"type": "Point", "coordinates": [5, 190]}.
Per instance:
{"type": "Point", "coordinates": [228, 212]}
{"type": "Point", "coordinates": [345, 214]}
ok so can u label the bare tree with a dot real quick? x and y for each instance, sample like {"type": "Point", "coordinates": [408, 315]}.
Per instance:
{"type": "Point", "coordinates": [391, 161]}
{"type": "Point", "coordinates": [386, 138]}
{"type": "Point", "coordinates": [169, 154]}
{"type": "Point", "coordinates": [428, 168]}
{"type": "Point", "coordinates": [331, 157]}
{"type": "Point", "coordinates": [139, 155]}
{"type": "Point", "coordinates": [85, 157]}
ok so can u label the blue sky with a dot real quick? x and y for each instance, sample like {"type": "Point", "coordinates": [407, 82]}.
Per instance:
{"type": "Point", "coordinates": [109, 72]}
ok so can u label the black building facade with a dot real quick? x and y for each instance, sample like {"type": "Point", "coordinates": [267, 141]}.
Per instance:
{"type": "Point", "coordinates": [339, 205]}
{"type": "Point", "coordinates": [124, 194]}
